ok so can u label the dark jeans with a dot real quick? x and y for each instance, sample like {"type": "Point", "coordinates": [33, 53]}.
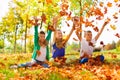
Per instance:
{"type": "Point", "coordinates": [97, 58]}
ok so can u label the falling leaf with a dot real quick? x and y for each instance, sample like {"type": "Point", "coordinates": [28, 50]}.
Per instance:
{"type": "Point", "coordinates": [88, 23]}
{"type": "Point", "coordinates": [117, 35]}
{"type": "Point", "coordinates": [69, 16]}
{"type": "Point", "coordinates": [105, 8]}
{"type": "Point", "coordinates": [101, 43]}
{"type": "Point", "coordinates": [43, 17]}
{"type": "Point", "coordinates": [99, 18]}
{"type": "Point", "coordinates": [39, 1]}
{"type": "Point", "coordinates": [113, 27]}
{"type": "Point", "coordinates": [78, 30]}
{"type": "Point", "coordinates": [67, 23]}
{"type": "Point", "coordinates": [119, 5]}
{"type": "Point", "coordinates": [101, 4]}
{"type": "Point", "coordinates": [81, 19]}
{"type": "Point", "coordinates": [49, 1]}
{"type": "Point", "coordinates": [63, 13]}
{"type": "Point", "coordinates": [91, 44]}
{"type": "Point", "coordinates": [109, 4]}
{"type": "Point", "coordinates": [115, 15]}
{"type": "Point", "coordinates": [115, 0]}
{"type": "Point", "coordinates": [30, 21]}
{"type": "Point", "coordinates": [96, 29]}
{"type": "Point", "coordinates": [64, 32]}
{"type": "Point", "coordinates": [50, 27]}
{"type": "Point", "coordinates": [64, 6]}
{"type": "Point", "coordinates": [75, 39]}
{"type": "Point", "coordinates": [97, 11]}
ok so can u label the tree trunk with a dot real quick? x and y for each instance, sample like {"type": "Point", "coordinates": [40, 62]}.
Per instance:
{"type": "Point", "coordinates": [26, 33]}
{"type": "Point", "coordinates": [15, 39]}
{"type": "Point", "coordinates": [4, 43]}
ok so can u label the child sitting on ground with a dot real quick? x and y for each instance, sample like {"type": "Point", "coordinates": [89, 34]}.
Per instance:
{"type": "Point", "coordinates": [41, 51]}
{"type": "Point", "coordinates": [87, 44]}
{"type": "Point", "coordinates": [59, 46]}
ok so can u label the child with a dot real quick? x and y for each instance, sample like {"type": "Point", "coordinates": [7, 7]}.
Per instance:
{"type": "Point", "coordinates": [87, 44]}
{"type": "Point", "coordinates": [41, 51]}
{"type": "Point", "coordinates": [59, 46]}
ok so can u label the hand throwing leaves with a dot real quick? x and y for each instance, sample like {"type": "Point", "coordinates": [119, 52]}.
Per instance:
{"type": "Point", "coordinates": [38, 52]}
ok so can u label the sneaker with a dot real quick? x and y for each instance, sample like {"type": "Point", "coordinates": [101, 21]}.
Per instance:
{"type": "Point", "coordinates": [13, 67]}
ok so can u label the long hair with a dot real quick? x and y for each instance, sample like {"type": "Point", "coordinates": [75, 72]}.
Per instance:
{"type": "Point", "coordinates": [59, 41]}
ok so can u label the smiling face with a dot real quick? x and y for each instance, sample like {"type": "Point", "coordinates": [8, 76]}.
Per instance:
{"type": "Point", "coordinates": [41, 36]}
{"type": "Point", "coordinates": [58, 34]}
{"type": "Point", "coordinates": [88, 35]}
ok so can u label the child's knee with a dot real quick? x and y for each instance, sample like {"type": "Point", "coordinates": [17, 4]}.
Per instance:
{"type": "Point", "coordinates": [101, 58]}
{"type": "Point", "coordinates": [83, 60]}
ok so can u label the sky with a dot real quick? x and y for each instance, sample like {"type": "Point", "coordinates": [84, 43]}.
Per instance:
{"type": "Point", "coordinates": [4, 8]}
{"type": "Point", "coordinates": [106, 36]}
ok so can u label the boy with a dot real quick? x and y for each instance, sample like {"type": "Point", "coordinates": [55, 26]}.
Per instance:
{"type": "Point", "coordinates": [41, 51]}
{"type": "Point", "coordinates": [87, 44]}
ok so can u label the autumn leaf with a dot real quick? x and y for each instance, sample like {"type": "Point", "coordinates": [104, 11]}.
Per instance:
{"type": "Point", "coordinates": [109, 4]}
{"type": "Point", "coordinates": [96, 29]}
{"type": "Point", "coordinates": [50, 27]}
{"type": "Point", "coordinates": [30, 21]}
{"type": "Point", "coordinates": [75, 39]}
{"type": "Point", "coordinates": [105, 8]}
{"type": "Point", "coordinates": [88, 23]}
{"type": "Point", "coordinates": [69, 16]}
{"type": "Point", "coordinates": [64, 32]}
{"type": "Point", "coordinates": [67, 23]}
{"type": "Point", "coordinates": [99, 18]}
{"type": "Point", "coordinates": [119, 5]}
{"type": "Point", "coordinates": [81, 19]}
{"type": "Point", "coordinates": [101, 4]}
{"type": "Point", "coordinates": [43, 17]}
{"type": "Point", "coordinates": [91, 44]}
{"type": "Point", "coordinates": [113, 56]}
{"type": "Point", "coordinates": [63, 13]}
{"type": "Point", "coordinates": [49, 1]}
{"type": "Point", "coordinates": [115, 0]}
{"type": "Point", "coordinates": [64, 6]}
{"type": "Point", "coordinates": [115, 15]}
{"type": "Point", "coordinates": [117, 35]}
{"type": "Point", "coordinates": [97, 11]}
{"type": "Point", "coordinates": [78, 29]}
{"type": "Point", "coordinates": [113, 27]}
{"type": "Point", "coordinates": [101, 43]}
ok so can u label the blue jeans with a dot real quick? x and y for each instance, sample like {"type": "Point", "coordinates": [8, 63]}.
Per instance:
{"type": "Point", "coordinates": [84, 60]}
{"type": "Point", "coordinates": [30, 64]}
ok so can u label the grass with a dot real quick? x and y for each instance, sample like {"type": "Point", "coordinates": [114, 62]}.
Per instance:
{"type": "Point", "coordinates": [7, 59]}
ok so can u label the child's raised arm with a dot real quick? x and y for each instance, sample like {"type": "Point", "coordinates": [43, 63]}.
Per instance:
{"type": "Point", "coordinates": [79, 35]}
{"type": "Point", "coordinates": [55, 20]}
{"type": "Point", "coordinates": [99, 33]}
{"type": "Point", "coordinates": [64, 42]}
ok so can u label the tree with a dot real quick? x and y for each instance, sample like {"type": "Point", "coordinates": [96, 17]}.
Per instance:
{"type": "Point", "coordinates": [118, 45]}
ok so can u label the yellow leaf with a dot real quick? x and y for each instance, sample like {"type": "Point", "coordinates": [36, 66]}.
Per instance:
{"type": "Point", "coordinates": [113, 27]}
{"type": "Point", "coordinates": [115, 0]}
{"type": "Point", "coordinates": [109, 4]}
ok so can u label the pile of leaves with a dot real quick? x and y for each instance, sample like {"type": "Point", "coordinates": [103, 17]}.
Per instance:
{"type": "Point", "coordinates": [69, 71]}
